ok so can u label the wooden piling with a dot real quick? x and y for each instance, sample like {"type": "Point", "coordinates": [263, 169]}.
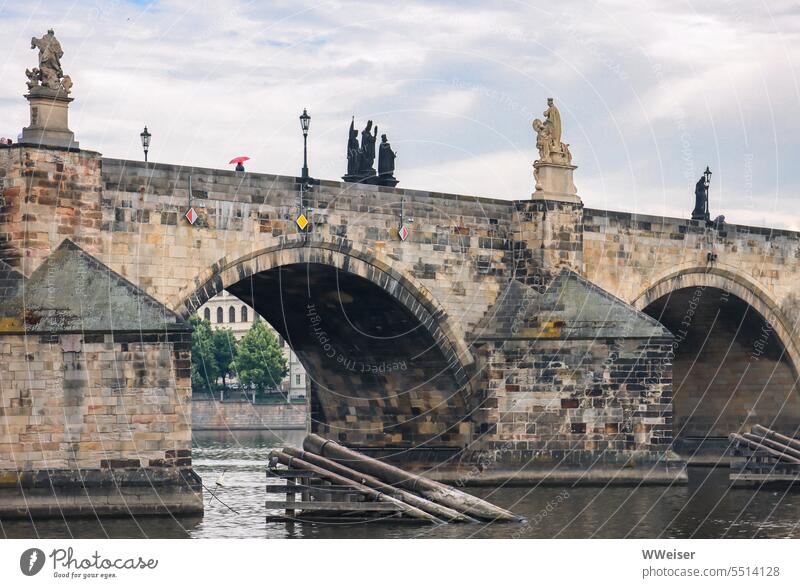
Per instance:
{"type": "Point", "coordinates": [429, 489]}
{"type": "Point", "coordinates": [412, 511]}
{"type": "Point", "coordinates": [437, 510]}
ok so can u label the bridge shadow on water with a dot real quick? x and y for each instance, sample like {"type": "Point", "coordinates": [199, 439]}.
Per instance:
{"type": "Point", "coordinates": [708, 507]}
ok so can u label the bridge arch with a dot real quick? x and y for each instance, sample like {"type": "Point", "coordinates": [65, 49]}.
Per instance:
{"type": "Point", "coordinates": [735, 354]}
{"type": "Point", "coordinates": [386, 363]}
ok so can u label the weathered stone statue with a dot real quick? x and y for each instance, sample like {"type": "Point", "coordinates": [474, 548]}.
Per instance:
{"type": "Point", "coordinates": [552, 172]}
{"type": "Point", "coordinates": [386, 159]}
{"type": "Point", "coordinates": [553, 121]}
{"type": "Point", "coordinates": [548, 137]}
{"type": "Point", "coordinates": [543, 139]}
{"type": "Point", "coordinates": [48, 95]}
{"type": "Point", "coordinates": [700, 211]}
{"type": "Point", "coordinates": [367, 155]}
{"type": "Point", "coordinates": [361, 158]}
{"type": "Point", "coordinates": [353, 152]}
{"type": "Point", "coordinates": [49, 74]}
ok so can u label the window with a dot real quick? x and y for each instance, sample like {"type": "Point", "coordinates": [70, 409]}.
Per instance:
{"type": "Point", "coordinates": [297, 379]}
{"type": "Point", "coordinates": [257, 317]}
{"type": "Point", "coordinates": [231, 315]}
{"type": "Point", "coordinates": [244, 314]}
{"type": "Point", "coordinates": [207, 314]}
{"type": "Point", "coordinates": [281, 342]}
{"type": "Point", "coordinates": [219, 314]}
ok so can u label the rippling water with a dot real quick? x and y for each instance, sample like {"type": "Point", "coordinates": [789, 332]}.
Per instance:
{"type": "Point", "coordinates": [707, 508]}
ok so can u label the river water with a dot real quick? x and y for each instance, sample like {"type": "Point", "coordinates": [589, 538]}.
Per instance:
{"type": "Point", "coordinates": [708, 507]}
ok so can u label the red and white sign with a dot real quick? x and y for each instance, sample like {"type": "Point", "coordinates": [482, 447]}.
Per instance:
{"type": "Point", "coordinates": [191, 215]}
{"type": "Point", "coordinates": [403, 233]}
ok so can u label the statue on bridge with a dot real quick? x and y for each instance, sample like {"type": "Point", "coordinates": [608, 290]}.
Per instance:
{"type": "Point", "coordinates": [49, 74]}
{"type": "Point", "coordinates": [353, 152]}
{"type": "Point", "coordinates": [548, 137]}
{"type": "Point", "coordinates": [360, 159]}
{"type": "Point", "coordinates": [386, 159]}
{"type": "Point", "coordinates": [700, 211]}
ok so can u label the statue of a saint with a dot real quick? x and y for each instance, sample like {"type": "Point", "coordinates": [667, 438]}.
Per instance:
{"type": "Point", "coordinates": [49, 73]}
{"type": "Point", "coordinates": [386, 158]}
{"type": "Point", "coordinates": [353, 160]}
{"type": "Point", "coordinates": [543, 139]}
{"type": "Point", "coordinates": [700, 211]}
{"type": "Point", "coordinates": [367, 156]}
{"type": "Point", "coordinates": [548, 137]}
{"type": "Point", "coordinates": [552, 119]}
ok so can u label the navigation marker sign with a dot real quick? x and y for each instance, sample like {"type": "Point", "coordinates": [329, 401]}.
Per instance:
{"type": "Point", "coordinates": [302, 221]}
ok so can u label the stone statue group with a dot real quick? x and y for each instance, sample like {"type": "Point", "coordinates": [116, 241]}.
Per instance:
{"type": "Point", "coordinates": [361, 157]}
{"type": "Point", "coordinates": [49, 75]}
{"type": "Point", "coordinates": [548, 137]}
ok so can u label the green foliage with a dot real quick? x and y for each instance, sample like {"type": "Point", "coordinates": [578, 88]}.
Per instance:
{"type": "Point", "coordinates": [205, 370]}
{"type": "Point", "coordinates": [224, 352]}
{"type": "Point", "coordinates": [258, 361]}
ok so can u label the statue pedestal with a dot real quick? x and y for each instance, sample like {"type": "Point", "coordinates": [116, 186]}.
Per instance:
{"type": "Point", "coordinates": [361, 178]}
{"type": "Point", "coordinates": [554, 182]}
{"type": "Point", "coordinates": [49, 123]}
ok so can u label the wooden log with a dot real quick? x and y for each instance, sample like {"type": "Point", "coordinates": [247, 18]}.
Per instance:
{"type": "Point", "coordinates": [759, 446]}
{"type": "Point", "coordinates": [433, 491]}
{"type": "Point", "coordinates": [775, 436]}
{"type": "Point", "coordinates": [777, 446]}
{"type": "Point", "coordinates": [334, 506]}
{"type": "Point", "coordinates": [437, 510]}
{"type": "Point", "coordinates": [411, 511]}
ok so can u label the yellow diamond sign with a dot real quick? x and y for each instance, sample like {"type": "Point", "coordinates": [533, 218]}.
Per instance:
{"type": "Point", "coordinates": [302, 221]}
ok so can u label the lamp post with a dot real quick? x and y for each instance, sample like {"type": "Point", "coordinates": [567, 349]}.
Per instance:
{"type": "Point", "coordinates": [145, 142]}
{"type": "Point", "coordinates": [305, 122]}
{"type": "Point", "coordinates": [707, 183]}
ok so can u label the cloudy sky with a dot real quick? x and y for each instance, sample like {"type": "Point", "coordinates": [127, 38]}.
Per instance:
{"type": "Point", "coordinates": [650, 92]}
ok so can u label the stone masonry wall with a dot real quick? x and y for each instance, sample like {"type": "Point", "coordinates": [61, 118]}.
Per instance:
{"type": "Point", "coordinates": [626, 253]}
{"type": "Point", "coordinates": [571, 400]}
{"type": "Point", "coordinates": [120, 401]}
{"type": "Point", "coordinates": [212, 415]}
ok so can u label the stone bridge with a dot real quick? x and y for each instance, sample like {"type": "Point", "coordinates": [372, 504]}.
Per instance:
{"type": "Point", "coordinates": [500, 333]}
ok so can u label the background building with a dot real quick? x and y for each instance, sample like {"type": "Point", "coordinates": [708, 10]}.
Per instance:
{"type": "Point", "coordinates": [226, 311]}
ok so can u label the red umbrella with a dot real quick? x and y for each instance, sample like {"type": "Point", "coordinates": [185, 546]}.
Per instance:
{"type": "Point", "coordinates": [240, 159]}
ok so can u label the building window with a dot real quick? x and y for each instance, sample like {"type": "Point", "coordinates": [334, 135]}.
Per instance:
{"type": "Point", "coordinates": [231, 315]}
{"type": "Point", "coordinates": [219, 314]}
{"type": "Point", "coordinates": [207, 314]}
{"type": "Point", "coordinates": [297, 379]}
{"type": "Point", "coordinates": [281, 342]}
{"type": "Point", "coordinates": [257, 317]}
{"type": "Point", "coordinates": [244, 314]}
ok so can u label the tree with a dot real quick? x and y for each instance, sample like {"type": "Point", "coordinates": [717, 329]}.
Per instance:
{"type": "Point", "coordinates": [259, 361]}
{"type": "Point", "coordinates": [224, 352]}
{"type": "Point", "coordinates": [205, 370]}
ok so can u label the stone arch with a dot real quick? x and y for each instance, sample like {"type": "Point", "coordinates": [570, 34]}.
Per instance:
{"type": "Point", "coordinates": [734, 358]}
{"type": "Point", "coordinates": [729, 280]}
{"type": "Point", "coordinates": [439, 382]}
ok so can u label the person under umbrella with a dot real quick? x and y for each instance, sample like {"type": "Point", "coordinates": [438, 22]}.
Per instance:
{"type": "Point", "coordinates": [239, 161]}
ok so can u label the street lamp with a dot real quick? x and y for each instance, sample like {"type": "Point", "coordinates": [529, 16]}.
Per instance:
{"type": "Point", "coordinates": [707, 176]}
{"type": "Point", "coordinates": [305, 121]}
{"type": "Point", "coordinates": [145, 142]}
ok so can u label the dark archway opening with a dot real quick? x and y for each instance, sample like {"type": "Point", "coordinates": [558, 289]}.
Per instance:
{"type": "Point", "coordinates": [730, 370]}
{"type": "Point", "coordinates": [377, 376]}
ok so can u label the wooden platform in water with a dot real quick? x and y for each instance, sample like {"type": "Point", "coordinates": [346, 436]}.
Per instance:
{"type": "Point", "coordinates": [309, 498]}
